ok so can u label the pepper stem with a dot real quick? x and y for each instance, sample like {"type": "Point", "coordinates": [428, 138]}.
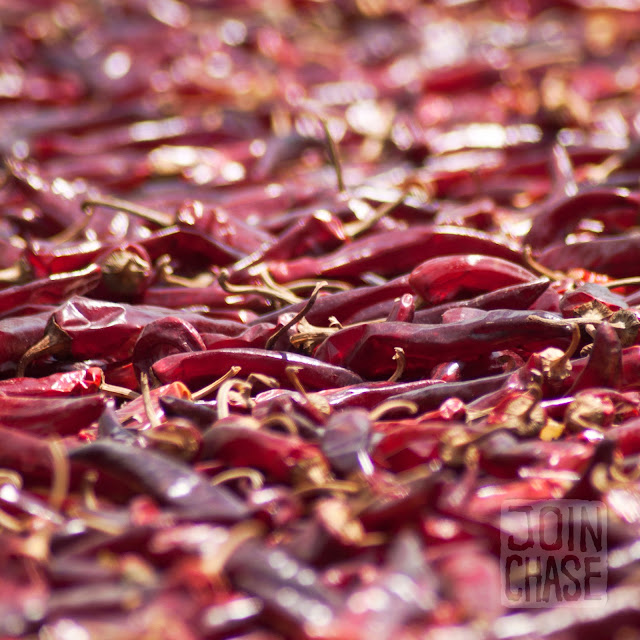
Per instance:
{"type": "Point", "coordinates": [166, 275]}
{"type": "Point", "coordinates": [335, 285]}
{"type": "Point", "coordinates": [401, 363]}
{"type": "Point", "coordinates": [18, 273]}
{"type": "Point", "coordinates": [342, 486]}
{"type": "Point", "coordinates": [622, 282]}
{"type": "Point", "coordinates": [278, 293]}
{"type": "Point", "coordinates": [255, 477]}
{"type": "Point", "coordinates": [561, 362]}
{"type": "Point", "coordinates": [205, 391]}
{"type": "Point", "coordinates": [534, 265]}
{"type": "Point", "coordinates": [146, 399]}
{"type": "Point", "coordinates": [389, 405]}
{"type": "Point", "coordinates": [61, 474]}
{"type": "Point", "coordinates": [301, 314]}
{"type": "Point", "coordinates": [119, 392]}
{"type": "Point", "coordinates": [55, 341]}
{"type": "Point", "coordinates": [353, 229]}
{"type": "Point", "coordinates": [334, 157]}
{"type": "Point", "coordinates": [292, 374]}
{"type": "Point", "coordinates": [222, 399]}
{"type": "Point", "coordinates": [146, 213]}
{"type": "Point", "coordinates": [282, 419]}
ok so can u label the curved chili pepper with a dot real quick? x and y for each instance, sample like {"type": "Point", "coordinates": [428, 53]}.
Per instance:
{"type": "Point", "coordinates": [369, 394]}
{"type": "Point", "coordinates": [410, 446]}
{"type": "Point", "coordinates": [202, 415]}
{"type": "Point", "coordinates": [50, 415]}
{"type": "Point", "coordinates": [65, 384]}
{"type": "Point", "coordinates": [311, 235]}
{"type": "Point", "coordinates": [558, 221]}
{"type": "Point", "coordinates": [109, 426]}
{"type": "Point", "coordinates": [194, 248]}
{"type": "Point", "coordinates": [85, 328]}
{"type": "Point", "coordinates": [167, 480]}
{"type": "Point", "coordinates": [502, 455]}
{"type": "Point", "coordinates": [520, 296]}
{"type": "Point", "coordinates": [224, 227]}
{"type": "Point", "coordinates": [368, 349]}
{"type": "Point", "coordinates": [194, 369]}
{"type": "Point", "coordinates": [162, 337]}
{"type": "Point", "coordinates": [52, 290]}
{"type": "Point", "coordinates": [392, 253]}
{"type": "Point", "coordinates": [464, 275]}
{"type": "Point", "coordinates": [612, 255]}
{"type": "Point", "coordinates": [516, 297]}
{"type": "Point", "coordinates": [432, 396]}
{"type": "Point", "coordinates": [344, 305]}
{"type": "Point", "coordinates": [47, 258]}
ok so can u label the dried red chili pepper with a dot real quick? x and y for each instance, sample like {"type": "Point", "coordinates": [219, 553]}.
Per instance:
{"type": "Point", "coordinates": [198, 368]}
{"type": "Point", "coordinates": [519, 296]}
{"type": "Point", "coordinates": [83, 328]}
{"type": "Point", "coordinates": [50, 415]}
{"type": "Point", "coordinates": [446, 278]}
{"type": "Point", "coordinates": [312, 235]}
{"type": "Point", "coordinates": [369, 394]}
{"type": "Point", "coordinates": [168, 481]}
{"type": "Point", "coordinates": [392, 253]}
{"type": "Point", "coordinates": [369, 348]}
{"type": "Point", "coordinates": [52, 290]}
{"type": "Point", "coordinates": [70, 383]}
{"type": "Point", "coordinates": [345, 306]}
{"type": "Point", "coordinates": [612, 255]}
{"type": "Point", "coordinates": [552, 225]}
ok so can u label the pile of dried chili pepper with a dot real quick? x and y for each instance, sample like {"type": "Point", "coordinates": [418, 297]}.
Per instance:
{"type": "Point", "coordinates": [295, 296]}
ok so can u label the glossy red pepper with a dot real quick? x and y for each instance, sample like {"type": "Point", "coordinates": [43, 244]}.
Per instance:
{"type": "Point", "coordinates": [392, 253]}
{"type": "Point", "coordinates": [611, 255]}
{"type": "Point", "coordinates": [53, 290]}
{"type": "Point", "coordinates": [519, 296]}
{"type": "Point", "coordinates": [199, 369]}
{"type": "Point", "coordinates": [462, 276]}
{"type": "Point", "coordinates": [369, 348]}
{"type": "Point", "coordinates": [553, 224]}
